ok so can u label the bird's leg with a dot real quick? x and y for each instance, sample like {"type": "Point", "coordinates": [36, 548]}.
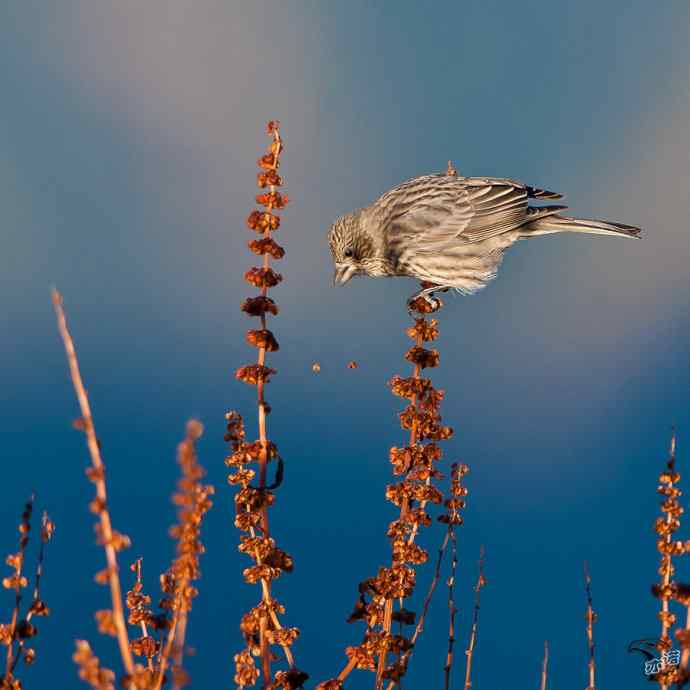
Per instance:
{"type": "Point", "coordinates": [427, 294]}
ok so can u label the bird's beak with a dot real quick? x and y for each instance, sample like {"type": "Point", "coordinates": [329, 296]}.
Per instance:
{"type": "Point", "coordinates": [343, 273]}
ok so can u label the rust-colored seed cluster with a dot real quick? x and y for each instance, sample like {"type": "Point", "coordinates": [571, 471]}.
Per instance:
{"type": "Point", "coordinates": [90, 669]}
{"type": "Point", "coordinates": [15, 634]}
{"type": "Point", "coordinates": [667, 589]}
{"type": "Point", "coordinates": [193, 501]}
{"type": "Point", "coordinates": [261, 626]}
{"type": "Point", "coordinates": [416, 464]}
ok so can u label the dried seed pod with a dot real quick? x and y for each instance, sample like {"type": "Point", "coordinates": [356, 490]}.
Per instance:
{"type": "Point", "coordinates": [266, 245]}
{"type": "Point", "coordinates": [258, 306]}
{"type": "Point", "coordinates": [263, 339]}
{"type": "Point", "coordinates": [262, 277]}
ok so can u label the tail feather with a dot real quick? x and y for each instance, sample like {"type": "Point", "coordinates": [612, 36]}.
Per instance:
{"type": "Point", "coordinates": [557, 223]}
{"type": "Point", "coordinates": [536, 193]}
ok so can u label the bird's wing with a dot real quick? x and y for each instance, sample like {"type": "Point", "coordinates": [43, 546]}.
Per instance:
{"type": "Point", "coordinates": [434, 211]}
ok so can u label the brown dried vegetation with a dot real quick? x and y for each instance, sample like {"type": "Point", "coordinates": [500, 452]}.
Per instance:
{"type": "Point", "coordinates": [261, 626]}
{"type": "Point", "coordinates": [16, 634]}
{"type": "Point", "coordinates": [159, 636]}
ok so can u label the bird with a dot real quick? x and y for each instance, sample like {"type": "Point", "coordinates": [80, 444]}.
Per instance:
{"type": "Point", "coordinates": [449, 231]}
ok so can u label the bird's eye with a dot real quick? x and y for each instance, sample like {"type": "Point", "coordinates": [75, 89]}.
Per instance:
{"type": "Point", "coordinates": [348, 252]}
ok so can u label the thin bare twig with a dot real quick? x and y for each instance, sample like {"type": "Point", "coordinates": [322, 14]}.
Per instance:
{"type": "Point", "coordinates": [481, 581]}
{"type": "Point", "coordinates": [167, 649]}
{"type": "Point", "coordinates": [451, 607]}
{"type": "Point", "coordinates": [178, 650]}
{"type": "Point", "coordinates": [99, 480]}
{"type": "Point", "coordinates": [545, 666]}
{"type": "Point", "coordinates": [590, 617]}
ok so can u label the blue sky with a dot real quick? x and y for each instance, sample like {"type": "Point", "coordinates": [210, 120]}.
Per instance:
{"type": "Point", "coordinates": [128, 139]}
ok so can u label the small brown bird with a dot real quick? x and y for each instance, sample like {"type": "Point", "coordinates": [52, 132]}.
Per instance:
{"type": "Point", "coordinates": [449, 230]}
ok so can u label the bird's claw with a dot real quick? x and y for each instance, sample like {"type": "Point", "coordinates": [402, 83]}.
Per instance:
{"type": "Point", "coordinates": [433, 303]}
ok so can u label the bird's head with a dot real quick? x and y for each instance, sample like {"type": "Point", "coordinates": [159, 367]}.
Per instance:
{"type": "Point", "coordinates": [351, 247]}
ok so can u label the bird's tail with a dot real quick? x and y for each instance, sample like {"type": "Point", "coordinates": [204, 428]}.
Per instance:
{"type": "Point", "coordinates": [557, 223]}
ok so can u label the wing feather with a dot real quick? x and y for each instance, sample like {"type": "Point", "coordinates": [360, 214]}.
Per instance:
{"type": "Point", "coordinates": [433, 211]}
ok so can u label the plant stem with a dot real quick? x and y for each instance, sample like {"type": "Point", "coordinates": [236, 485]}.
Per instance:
{"type": "Point", "coordinates": [99, 474]}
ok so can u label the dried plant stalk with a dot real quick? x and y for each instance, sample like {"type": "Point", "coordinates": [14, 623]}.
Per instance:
{"type": "Point", "coordinates": [452, 609]}
{"type": "Point", "coordinates": [16, 581]}
{"type": "Point", "coordinates": [15, 634]}
{"type": "Point", "coordinates": [677, 671]}
{"type": "Point", "coordinates": [469, 653]}
{"type": "Point", "coordinates": [261, 626]}
{"type": "Point", "coordinates": [545, 666]}
{"type": "Point", "coordinates": [193, 501]}
{"type": "Point", "coordinates": [38, 606]}
{"type": "Point", "coordinates": [90, 669]}
{"type": "Point", "coordinates": [416, 462]}
{"type": "Point", "coordinates": [453, 518]}
{"type": "Point", "coordinates": [138, 603]}
{"type": "Point", "coordinates": [179, 676]}
{"type": "Point", "coordinates": [111, 540]}
{"type": "Point", "coordinates": [665, 527]}
{"type": "Point", "coordinates": [590, 617]}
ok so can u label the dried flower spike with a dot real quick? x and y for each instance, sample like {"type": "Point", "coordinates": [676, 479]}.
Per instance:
{"type": "Point", "coordinates": [193, 499]}
{"type": "Point", "coordinates": [261, 625]}
{"type": "Point", "coordinates": [416, 462]}
{"type": "Point", "coordinates": [109, 538]}
{"type": "Point", "coordinates": [665, 528]}
{"type": "Point", "coordinates": [14, 635]}
{"type": "Point", "coordinates": [590, 617]}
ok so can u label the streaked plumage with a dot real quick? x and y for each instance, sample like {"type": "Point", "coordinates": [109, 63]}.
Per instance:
{"type": "Point", "coordinates": [449, 230]}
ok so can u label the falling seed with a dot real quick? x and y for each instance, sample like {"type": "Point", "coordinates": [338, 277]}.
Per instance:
{"type": "Point", "coordinates": [352, 365]}
{"type": "Point", "coordinates": [316, 367]}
